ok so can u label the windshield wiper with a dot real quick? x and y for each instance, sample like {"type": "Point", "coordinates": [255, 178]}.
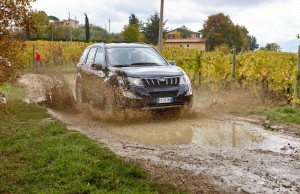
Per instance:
{"type": "Point", "coordinates": [126, 65]}
{"type": "Point", "coordinates": [143, 64]}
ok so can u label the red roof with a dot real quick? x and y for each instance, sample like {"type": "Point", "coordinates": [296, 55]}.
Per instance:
{"type": "Point", "coordinates": [186, 40]}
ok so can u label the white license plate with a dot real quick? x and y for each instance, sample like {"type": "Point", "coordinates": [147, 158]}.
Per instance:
{"type": "Point", "coordinates": [164, 100]}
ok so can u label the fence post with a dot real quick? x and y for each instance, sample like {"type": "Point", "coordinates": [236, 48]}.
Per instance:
{"type": "Point", "coordinates": [199, 70]}
{"type": "Point", "coordinates": [296, 85]}
{"type": "Point", "coordinates": [233, 62]}
{"type": "Point", "coordinates": [33, 58]}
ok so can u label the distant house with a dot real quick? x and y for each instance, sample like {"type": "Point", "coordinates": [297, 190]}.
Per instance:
{"type": "Point", "coordinates": [69, 22]}
{"type": "Point", "coordinates": [174, 38]}
{"type": "Point", "coordinates": [176, 34]}
{"type": "Point", "coordinates": [191, 43]}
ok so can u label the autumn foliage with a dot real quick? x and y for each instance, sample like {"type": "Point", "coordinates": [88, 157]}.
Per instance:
{"type": "Point", "coordinates": [268, 72]}
{"type": "Point", "coordinates": [13, 14]}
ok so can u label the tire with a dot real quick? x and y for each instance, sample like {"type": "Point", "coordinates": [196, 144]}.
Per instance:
{"type": "Point", "coordinates": [79, 91]}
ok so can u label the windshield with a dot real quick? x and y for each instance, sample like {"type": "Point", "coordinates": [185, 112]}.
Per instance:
{"type": "Point", "coordinates": [134, 56]}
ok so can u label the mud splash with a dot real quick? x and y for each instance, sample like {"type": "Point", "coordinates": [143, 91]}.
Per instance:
{"type": "Point", "coordinates": [198, 126]}
{"type": "Point", "coordinates": [57, 91]}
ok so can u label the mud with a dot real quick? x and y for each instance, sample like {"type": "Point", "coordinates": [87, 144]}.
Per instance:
{"type": "Point", "coordinates": [207, 150]}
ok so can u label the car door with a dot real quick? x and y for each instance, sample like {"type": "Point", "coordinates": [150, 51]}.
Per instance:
{"type": "Point", "coordinates": [87, 73]}
{"type": "Point", "coordinates": [98, 76]}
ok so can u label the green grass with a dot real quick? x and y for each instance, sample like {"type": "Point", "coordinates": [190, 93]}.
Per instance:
{"type": "Point", "coordinates": [44, 157]}
{"type": "Point", "coordinates": [286, 114]}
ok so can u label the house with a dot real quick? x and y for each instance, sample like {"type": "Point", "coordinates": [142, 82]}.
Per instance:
{"type": "Point", "coordinates": [69, 22]}
{"type": "Point", "coordinates": [177, 33]}
{"type": "Point", "coordinates": [191, 43]}
{"type": "Point", "coordinates": [184, 38]}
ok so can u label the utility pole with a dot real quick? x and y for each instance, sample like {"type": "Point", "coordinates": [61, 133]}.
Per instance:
{"type": "Point", "coordinates": [161, 20]}
{"type": "Point", "coordinates": [70, 27]}
{"type": "Point", "coordinates": [108, 26]}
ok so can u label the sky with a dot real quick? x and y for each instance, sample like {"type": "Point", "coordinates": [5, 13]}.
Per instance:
{"type": "Point", "coordinates": [268, 20]}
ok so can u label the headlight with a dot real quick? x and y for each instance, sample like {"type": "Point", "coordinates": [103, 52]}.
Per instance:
{"type": "Point", "coordinates": [184, 80]}
{"type": "Point", "coordinates": [135, 81]}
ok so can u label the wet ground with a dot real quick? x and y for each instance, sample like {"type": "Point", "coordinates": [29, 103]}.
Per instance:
{"type": "Point", "coordinates": [200, 151]}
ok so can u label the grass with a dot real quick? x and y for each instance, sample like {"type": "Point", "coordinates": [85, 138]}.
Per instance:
{"type": "Point", "coordinates": [286, 114]}
{"type": "Point", "coordinates": [39, 155]}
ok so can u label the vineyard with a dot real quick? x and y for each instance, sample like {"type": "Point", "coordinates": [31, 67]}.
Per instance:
{"type": "Point", "coordinates": [269, 72]}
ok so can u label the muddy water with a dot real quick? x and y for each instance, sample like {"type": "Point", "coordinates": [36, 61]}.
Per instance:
{"type": "Point", "coordinates": [204, 132]}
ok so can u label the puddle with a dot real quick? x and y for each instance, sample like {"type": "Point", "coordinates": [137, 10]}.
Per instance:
{"type": "Point", "coordinates": [187, 129]}
{"type": "Point", "coordinates": [205, 132]}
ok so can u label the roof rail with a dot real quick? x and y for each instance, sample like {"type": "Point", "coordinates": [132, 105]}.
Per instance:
{"type": "Point", "coordinates": [139, 43]}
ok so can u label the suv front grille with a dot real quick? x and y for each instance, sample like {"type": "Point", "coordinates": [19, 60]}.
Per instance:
{"type": "Point", "coordinates": [163, 94]}
{"type": "Point", "coordinates": [156, 82]}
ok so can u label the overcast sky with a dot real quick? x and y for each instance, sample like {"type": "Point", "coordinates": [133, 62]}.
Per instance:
{"type": "Point", "coordinates": [267, 20]}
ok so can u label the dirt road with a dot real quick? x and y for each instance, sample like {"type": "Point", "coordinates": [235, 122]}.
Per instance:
{"type": "Point", "coordinates": [198, 151]}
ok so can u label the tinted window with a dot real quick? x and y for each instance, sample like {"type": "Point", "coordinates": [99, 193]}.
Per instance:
{"type": "Point", "coordinates": [91, 56]}
{"type": "Point", "coordinates": [128, 56]}
{"type": "Point", "coordinates": [83, 56]}
{"type": "Point", "coordinates": [99, 56]}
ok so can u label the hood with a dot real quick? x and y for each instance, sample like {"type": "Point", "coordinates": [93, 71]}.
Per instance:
{"type": "Point", "coordinates": [152, 71]}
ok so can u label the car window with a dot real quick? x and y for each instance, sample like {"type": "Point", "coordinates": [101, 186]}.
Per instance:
{"type": "Point", "coordinates": [91, 56]}
{"type": "Point", "coordinates": [129, 56]}
{"type": "Point", "coordinates": [99, 58]}
{"type": "Point", "coordinates": [83, 56]}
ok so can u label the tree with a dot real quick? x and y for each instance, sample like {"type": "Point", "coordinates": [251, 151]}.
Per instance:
{"type": "Point", "coordinates": [219, 29]}
{"type": "Point", "coordinates": [87, 28]}
{"type": "Point", "coordinates": [43, 24]}
{"type": "Point", "coordinates": [134, 20]}
{"type": "Point", "coordinates": [130, 33]}
{"type": "Point", "coordinates": [53, 18]}
{"type": "Point", "coordinates": [30, 24]}
{"type": "Point", "coordinates": [271, 47]}
{"type": "Point", "coordinates": [13, 14]}
{"type": "Point", "coordinates": [151, 29]}
{"type": "Point", "coordinates": [98, 34]}
{"type": "Point", "coordinates": [185, 32]}
{"type": "Point", "coordinates": [253, 44]}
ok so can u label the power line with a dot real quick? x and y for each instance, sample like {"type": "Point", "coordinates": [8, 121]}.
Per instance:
{"type": "Point", "coordinates": [99, 7]}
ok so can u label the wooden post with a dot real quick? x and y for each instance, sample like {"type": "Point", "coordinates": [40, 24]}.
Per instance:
{"type": "Point", "coordinates": [161, 20]}
{"type": "Point", "coordinates": [233, 62]}
{"type": "Point", "coordinates": [296, 85]}
{"type": "Point", "coordinates": [33, 56]}
{"type": "Point", "coordinates": [199, 70]}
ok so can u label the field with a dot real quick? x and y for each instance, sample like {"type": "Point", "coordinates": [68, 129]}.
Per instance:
{"type": "Point", "coordinates": [268, 74]}
{"type": "Point", "coordinates": [232, 140]}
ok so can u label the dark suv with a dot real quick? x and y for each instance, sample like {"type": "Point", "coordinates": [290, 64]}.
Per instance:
{"type": "Point", "coordinates": [131, 75]}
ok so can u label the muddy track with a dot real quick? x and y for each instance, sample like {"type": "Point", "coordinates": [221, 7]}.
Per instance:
{"type": "Point", "coordinates": [199, 151]}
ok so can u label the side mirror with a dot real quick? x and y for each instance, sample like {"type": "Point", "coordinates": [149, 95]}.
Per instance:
{"type": "Point", "coordinates": [172, 63]}
{"type": "Point", "coordinates": [97, 66]}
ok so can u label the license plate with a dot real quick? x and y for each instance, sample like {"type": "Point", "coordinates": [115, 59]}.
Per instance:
{"type": "Point", "coordinates": [164, 100]}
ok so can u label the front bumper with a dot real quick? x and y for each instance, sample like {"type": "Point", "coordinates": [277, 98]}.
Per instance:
{"type": "Point", "coordinates": [146, 98]}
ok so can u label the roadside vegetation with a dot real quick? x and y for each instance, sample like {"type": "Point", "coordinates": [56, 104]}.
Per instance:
{"type": "Point", "coordinates": [39, 155]}
{"type": "Point", "coordinates": [285, 114]}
